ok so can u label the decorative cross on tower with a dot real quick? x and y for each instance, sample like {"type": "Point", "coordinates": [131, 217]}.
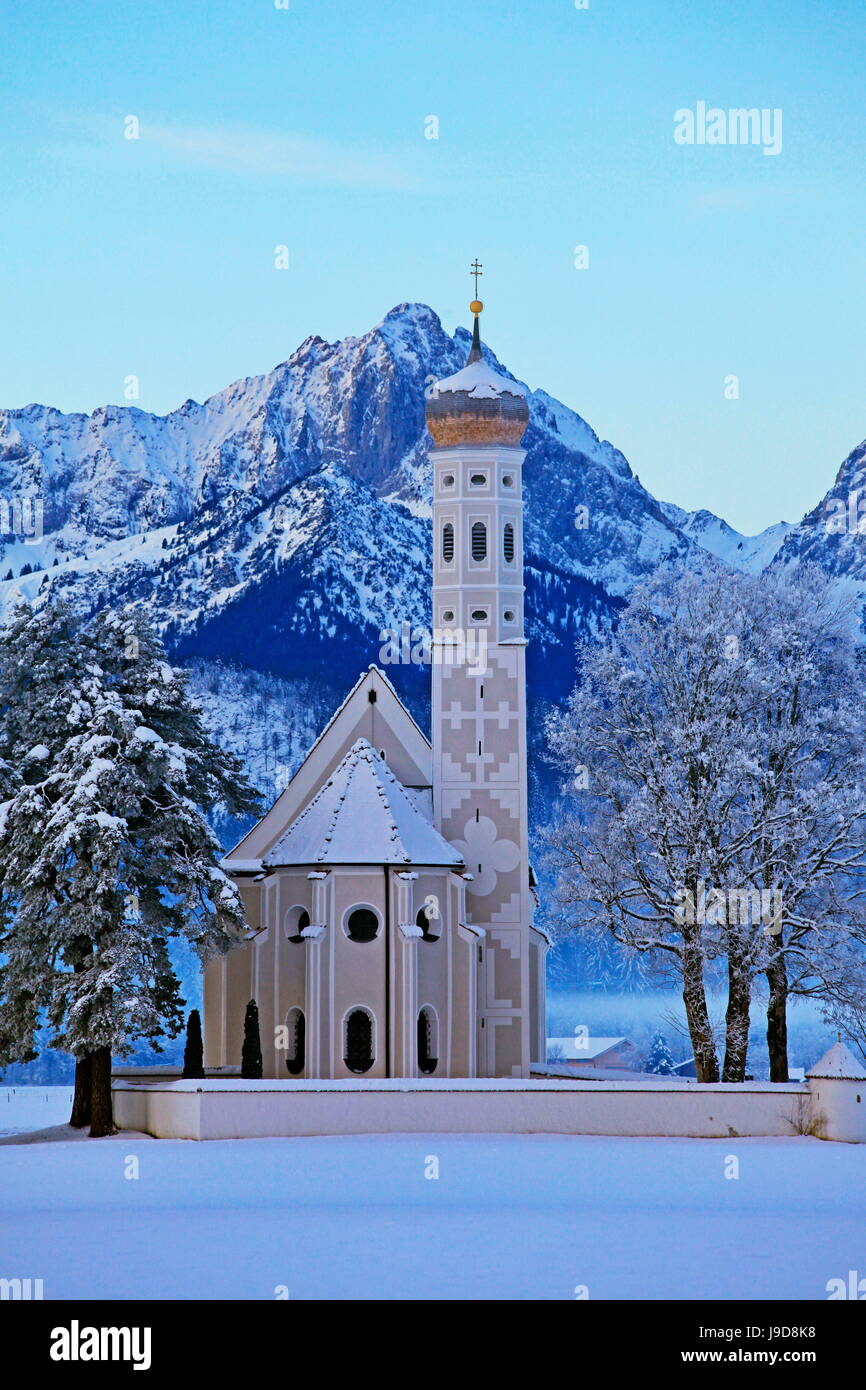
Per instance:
{"type": "Point", "coordinates": [475, 269]}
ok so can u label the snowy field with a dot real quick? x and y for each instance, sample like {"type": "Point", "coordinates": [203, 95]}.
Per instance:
{"type": "Point", "coordinates": [511, 1217]}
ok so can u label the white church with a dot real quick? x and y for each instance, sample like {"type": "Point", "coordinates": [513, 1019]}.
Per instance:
{"type": "Point", "coordinates": [388, 889]}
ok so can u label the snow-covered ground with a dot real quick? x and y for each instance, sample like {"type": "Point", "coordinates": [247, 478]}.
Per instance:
{"type": "Point", "coordinates": [512, 1217]}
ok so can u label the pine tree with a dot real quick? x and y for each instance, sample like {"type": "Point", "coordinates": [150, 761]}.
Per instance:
{"type": "Point", "coordinates": [251, 1055]}
{"type": "Point", "coordinates": [105, 854]}
{"type": "Point", "coordinates": [193, 1053]}
{"type": "Point", "coordinates": [660, 1060]}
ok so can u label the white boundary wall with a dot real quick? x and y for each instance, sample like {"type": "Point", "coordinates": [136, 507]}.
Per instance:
{"type": "Point", "coordinates": [228, 1109]}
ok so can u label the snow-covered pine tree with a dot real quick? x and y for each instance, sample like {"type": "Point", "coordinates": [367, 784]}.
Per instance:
{"type": "Point", "coordinates": [193, 1052]}
{"type": "Point", "coordinates": [106, 853]}
{"type": "Point", "coordinates": [251, 1052]}
{"type": "Point", "coordinates": [660, 1059]}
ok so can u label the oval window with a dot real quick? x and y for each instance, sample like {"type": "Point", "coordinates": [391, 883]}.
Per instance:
{"type": "Point", "coordinates": [508, 480]}
{"type": "Point", "coordinates": [509, 615]}
{"type": "Point", "coordinates": [448, 480]}
{"type": "Point", "coordinates": [479, 541]}
{"type": "Point", "coordinates": [448, 615]}
{"type": "Point", "coordinates": [358, 1053]}
{"type": "Point", "coordinates": [362, 924]}
{"type": "Point", "coordinates": [296, 1042]}
{"type": "Point", "coordinates": [478, 480]}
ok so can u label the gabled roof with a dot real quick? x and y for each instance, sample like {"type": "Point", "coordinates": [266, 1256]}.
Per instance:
{"type": "Point", "coordinates": [583, 1049]}
{"type": "Point", "coordinates": [372, 710]}
{"type": "Point", "coordinates": [361, 815]}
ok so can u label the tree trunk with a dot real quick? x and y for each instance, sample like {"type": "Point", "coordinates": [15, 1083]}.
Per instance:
{"type": "Point", "coordinates": [697, 1015]}
{"type": "Point", "coordinates": [737, 1020]}
{"type": "Point", "coordinates": [80, 1116]}
{"type": "Point", "coordinates": [777, 1019]}
{"type": "Point", "coordinates": [101, 1117]}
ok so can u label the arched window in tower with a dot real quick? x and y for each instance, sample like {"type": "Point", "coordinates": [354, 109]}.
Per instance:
{"type": "Point", "coordinates": [427, 1042]}
{"type": "Point", "coordinates": [358, 1050]}
{"type": "Point", "coordinates": [508, 543]}
{"type": "Point", "coordinates": [479, 540]}
{"type": "Point", "coordinates": [297, 921]}
{"type": "Point", "coordinates": [447, 543]}
{"type": "Point", "coordinates": [296, 1042]}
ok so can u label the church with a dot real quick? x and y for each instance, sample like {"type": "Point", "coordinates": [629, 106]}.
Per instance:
{"type": "Point", "coordinates": [388, 890]}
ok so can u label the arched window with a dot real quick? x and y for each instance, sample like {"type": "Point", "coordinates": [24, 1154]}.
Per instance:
{"type": "Point", "coordinates": [362, 924]}
{"type": "Point", "coordinates": [427, 1042]}
{"type": "Point", "coordinates": [358, 1051]}
{"type": "Point", "coordinates": [296, 1042]}
{"type": "Point", "coordinates": [479, 540]}
{"type": "Point", "coordinates": [447, 543]}
{"type": "Point", "coordinates": [430, 924]}
{"type": "Point", "coordinates": [297, 920]}
{"type": "Point", "coordinates": [508, 543]}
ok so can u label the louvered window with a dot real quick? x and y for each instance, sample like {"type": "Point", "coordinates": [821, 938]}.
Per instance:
{"type": "Point", "coordinates": [296, 1044]}
{"type": "Point", "coordinates": [359, 1041]}
{"type": "Point", "coordinates": [508, 542]}
{"type": "Point", "coordinates": [448, 543]}
{"type": "Point", "coordinates": [479, 541]}
{"type": "Point", "coordinates": [427, 1058]}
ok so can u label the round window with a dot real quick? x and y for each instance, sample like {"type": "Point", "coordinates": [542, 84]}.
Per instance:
{"type": "Point", "coordinates": [362, 924]}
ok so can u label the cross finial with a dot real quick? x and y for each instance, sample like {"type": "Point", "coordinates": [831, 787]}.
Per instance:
{"type": "Point", "coordinates": [475, 269]}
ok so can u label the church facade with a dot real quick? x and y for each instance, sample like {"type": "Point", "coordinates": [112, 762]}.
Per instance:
{"type": "Point", "coordinates": [388, 890]}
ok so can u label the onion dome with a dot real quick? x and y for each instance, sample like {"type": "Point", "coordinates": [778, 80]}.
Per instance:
{"type": "Point", "coordinates": [477, 405]}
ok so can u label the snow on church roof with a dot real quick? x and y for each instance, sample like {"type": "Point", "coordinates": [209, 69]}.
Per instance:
{"type": "Point", "coordinates": [362, 815]}
{"type": "Point", "coordinates": [480, 381]}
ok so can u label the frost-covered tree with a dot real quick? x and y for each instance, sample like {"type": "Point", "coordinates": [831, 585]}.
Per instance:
{"type": "Point", "coordinates": [717, 741]}
{"type": "Point", "coordinates": [660, 1058]}
{"type": "Point", "coordinates": [650, 742]}
{"type": "Point", "coordinates": [105, 853]}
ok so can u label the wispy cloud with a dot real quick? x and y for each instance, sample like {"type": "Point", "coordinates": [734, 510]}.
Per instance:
{"type": "Point", "coordinates": [233, 149]}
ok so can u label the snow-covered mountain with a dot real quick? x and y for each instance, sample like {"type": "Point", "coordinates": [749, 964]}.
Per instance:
{"type": "Point", "coordinates": [833, 534]}
{"type": "Point", "coordinates": [284, 523]}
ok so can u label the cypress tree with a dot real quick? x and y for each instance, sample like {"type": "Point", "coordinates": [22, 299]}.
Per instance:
{"type": "Point", "coordinates": [251, 1056]}
{"type": "Point", "coordinates": [193, 1052]}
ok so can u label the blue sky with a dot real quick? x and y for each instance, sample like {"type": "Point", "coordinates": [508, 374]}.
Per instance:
{"type": "Point", "coordinates": [305, 127]}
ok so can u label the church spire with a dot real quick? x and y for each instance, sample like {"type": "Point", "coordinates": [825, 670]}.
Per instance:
{"type": "Point", "coordinates": [475, 307]}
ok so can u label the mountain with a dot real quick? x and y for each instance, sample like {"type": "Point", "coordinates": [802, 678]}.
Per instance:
{"type": "Point", "coordinates": [284, 524]}
{"type": "Point", "coordinates": [833, 534]}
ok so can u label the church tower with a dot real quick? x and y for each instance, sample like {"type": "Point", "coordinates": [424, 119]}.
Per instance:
{"type": "Point", "coordinates": [477, 419]}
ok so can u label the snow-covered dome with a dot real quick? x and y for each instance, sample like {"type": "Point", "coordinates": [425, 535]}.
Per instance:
{"type": "Point", "coordinates": [477, 405]}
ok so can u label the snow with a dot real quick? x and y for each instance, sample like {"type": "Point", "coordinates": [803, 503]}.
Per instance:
{"type": "Point", "coordinates": [508, 1217]}
{"type": "Point", "coordinates": [361, 816]}
{"type": "Point", "coordinates": [839, 1063]}
{"type": "Point", "coordinates": [479, 381]}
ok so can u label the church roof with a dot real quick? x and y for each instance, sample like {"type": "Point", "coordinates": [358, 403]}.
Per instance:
{"type": "Point", "coordinates": [838, 1064]}
{"type": "Point", "coordinates": [362, 815]}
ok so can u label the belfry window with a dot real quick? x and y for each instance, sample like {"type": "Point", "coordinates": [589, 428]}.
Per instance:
{"type": "Point", "coordinates": [427, 1047]}
{"type": "Point", "coordinates": [358, 1051]}
{"type": "Point", "coordinates": [296, 1042]}
{"type": "Point", "coordinates": [508, 543]}
{"type": "Point", "coordinates": [447, 543]}
{"type": "Point", "coordinates": [479, 541]}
